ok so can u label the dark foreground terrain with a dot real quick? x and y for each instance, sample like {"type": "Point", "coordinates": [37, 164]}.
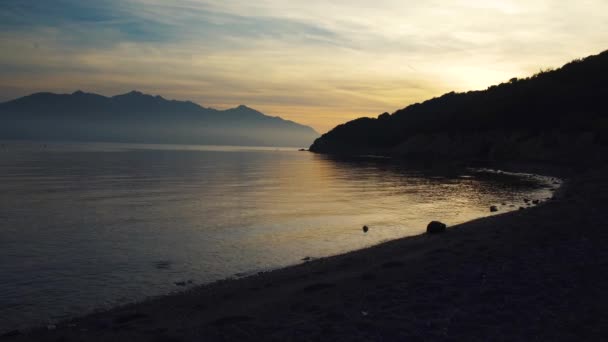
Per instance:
{"type": "Point", "coordinates": [535, 274]}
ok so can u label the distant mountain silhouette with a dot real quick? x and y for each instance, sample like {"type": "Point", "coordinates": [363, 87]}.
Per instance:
{"type": "Point", "coordinates": [559, 115]}
{"type": "Point", "coordinates": [137, 117]}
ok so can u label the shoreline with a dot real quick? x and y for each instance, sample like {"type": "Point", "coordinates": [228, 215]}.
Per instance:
{"type": "Point", "coordinates": [40, 313]}
{"type": "Point", "coordinates": [351, 294]}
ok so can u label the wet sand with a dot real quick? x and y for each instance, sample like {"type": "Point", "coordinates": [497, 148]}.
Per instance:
{"type": "Point", "coordinates": [535, 274]}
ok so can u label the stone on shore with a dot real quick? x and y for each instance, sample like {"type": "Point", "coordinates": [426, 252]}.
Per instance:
{"type": "Point", "coordinates": [435, 227]}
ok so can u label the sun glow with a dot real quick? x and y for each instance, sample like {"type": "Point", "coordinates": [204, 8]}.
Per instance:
{"type": "Point", "coordinates": [314, 62]}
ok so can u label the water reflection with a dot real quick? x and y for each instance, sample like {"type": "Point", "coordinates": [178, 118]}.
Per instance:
{"type": "Point", "coordinates": [84, 226]}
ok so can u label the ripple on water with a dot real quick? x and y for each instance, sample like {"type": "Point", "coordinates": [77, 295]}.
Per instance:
{"type": "Point", "coordinates": [90, 226]}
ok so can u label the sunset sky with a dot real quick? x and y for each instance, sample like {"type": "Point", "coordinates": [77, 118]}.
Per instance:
{"type": "Point", "coordinates": [317, 62]}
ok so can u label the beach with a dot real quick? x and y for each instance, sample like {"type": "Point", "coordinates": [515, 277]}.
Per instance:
{"type": "Point", "coordinates": [532, 274]}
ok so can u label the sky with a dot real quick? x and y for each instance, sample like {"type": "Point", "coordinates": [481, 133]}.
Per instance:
{"type": "Point", "coordinates": [317, 62]}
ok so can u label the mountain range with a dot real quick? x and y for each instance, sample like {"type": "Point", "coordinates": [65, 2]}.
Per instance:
{"type": "Point", "coordinates": [138, 117]}
{"type": "Point", "coordinates": [556, 115]}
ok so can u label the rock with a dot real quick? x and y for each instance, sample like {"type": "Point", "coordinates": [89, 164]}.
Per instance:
{"type": "Point", "coordinates": [535, 201]}
{"type": "Point", "coordinates": [526, 200]}
{"type": "Point", "coordinates": [435, 227]}
{"type": "Point", "coordinates": [302, 150]}
{"type": "Point", "coordinates": [368, 276]}
{"type": "Point", "coordinates": [103, 324]}
{"type": "Point", "coordinates": [493, 208]}
{"type": "Point", "coordinates": [365, 229]}
{"type": "Point", "coordinates": [162, 264]}
{"type": "Point", "coordinates": [306, 258]}
{"type": "Point", "coordinates": [521, 208]}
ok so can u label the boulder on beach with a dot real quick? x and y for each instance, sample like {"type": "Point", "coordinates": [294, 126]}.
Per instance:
{"type": "Point", "coordinates": [365, 229]}
{"type": "Point", "coordinates": [435, 227]}
{"type": "Point", "coordinates": [493, 208]}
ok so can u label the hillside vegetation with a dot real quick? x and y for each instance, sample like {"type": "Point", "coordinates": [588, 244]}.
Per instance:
{"type": "Point", "coordinates": [555, 115]}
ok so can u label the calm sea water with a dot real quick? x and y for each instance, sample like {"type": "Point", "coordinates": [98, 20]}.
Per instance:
{"type": "Point", "coordinates": [88, 226]}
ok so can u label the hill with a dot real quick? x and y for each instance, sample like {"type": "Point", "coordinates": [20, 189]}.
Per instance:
{"type": "Point", "coordinates": [555, 115]}
{"type": "Point", "coordinates": [138, 117]}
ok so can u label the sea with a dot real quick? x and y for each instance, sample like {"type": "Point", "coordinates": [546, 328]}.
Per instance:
{"type": "Point", "coordinates": [88, 226]}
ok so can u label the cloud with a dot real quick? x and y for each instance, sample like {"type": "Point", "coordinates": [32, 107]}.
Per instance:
{"type": "Point", "coordinates": [313, 61]}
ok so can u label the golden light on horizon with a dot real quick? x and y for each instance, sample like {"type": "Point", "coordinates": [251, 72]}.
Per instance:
{"type": "Point", "coordinates": [313, 62]}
